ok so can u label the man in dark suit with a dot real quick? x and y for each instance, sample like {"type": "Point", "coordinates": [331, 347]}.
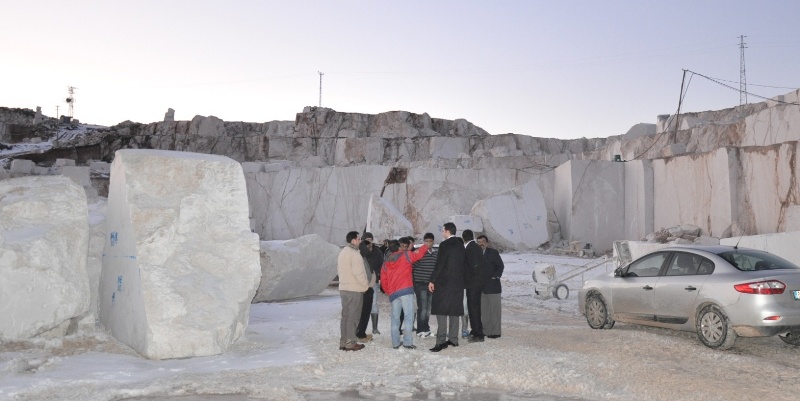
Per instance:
{"type": "Point", "coordinates": [490, 299]}
{"type": "Point", "coordinates": [474, 279]}
{"type": "Point", "coordinates": [447, 286]}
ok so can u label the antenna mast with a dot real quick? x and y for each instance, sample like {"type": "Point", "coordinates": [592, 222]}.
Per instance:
{"type": "Point", "coordinates": [742, 73]}
{"type": "Point", "coordinates": [71, 99]}
{"type": "Point", "coordinates": [320, 87]}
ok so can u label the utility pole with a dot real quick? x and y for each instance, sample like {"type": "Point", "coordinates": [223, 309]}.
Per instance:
{"type": "Point", "coordinates": [320, 87]}
{"type": "Point", "coordinates": [680, 101]}
{"type": "Point", "coordinates": [57, 116]}
{"type": "Point", "coordinates": [742, 73]}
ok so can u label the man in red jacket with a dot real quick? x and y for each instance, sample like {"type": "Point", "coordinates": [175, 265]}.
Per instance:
{"type": "Point", "coordinates": [397, 282]}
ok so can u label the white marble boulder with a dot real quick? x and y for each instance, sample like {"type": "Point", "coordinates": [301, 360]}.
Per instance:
{"type": "Point", "coordinates": [296, 268]}
{"type": "Point", "coordinates": [467, 222]}
{"type": "Point", "coordinates": [180, 265]}
{"type": "Point", "coordinates": [514, 219]}
{"type": "Point", "coordinates": [44, 235]}
{"type": "Point", "coordinates": [385, 220]}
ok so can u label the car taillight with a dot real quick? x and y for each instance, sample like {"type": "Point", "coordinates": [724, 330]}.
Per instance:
{"type": "Point", "coordinates": [771, 287]}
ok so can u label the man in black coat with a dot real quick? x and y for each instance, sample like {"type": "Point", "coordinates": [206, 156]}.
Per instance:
{"type": "Point", "coordinates": [474, 279]}
{"type": "Point", "coordinates": [490, 300]}
{"type": "Point", "coordinates": [447, 286]}
{"type": "Point", "coordinates": [374, 257]}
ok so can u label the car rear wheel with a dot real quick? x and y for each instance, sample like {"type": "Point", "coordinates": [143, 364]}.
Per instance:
{"type": "Point", "coordinates": [791, 338]}
{"type": "Point", "coordinates": [714, 328]}
{"type": "Point", "coordinates": [597, 313]}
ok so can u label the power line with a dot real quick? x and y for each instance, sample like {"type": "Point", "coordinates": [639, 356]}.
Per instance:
{"type": "Point", "coordinates": [737, 89]}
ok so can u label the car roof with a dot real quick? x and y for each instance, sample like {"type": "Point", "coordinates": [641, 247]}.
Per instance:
{"type": "Point", "coordinates": [715, 249]}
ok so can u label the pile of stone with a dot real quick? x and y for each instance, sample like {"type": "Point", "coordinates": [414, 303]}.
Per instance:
{"type": "Point", "coordinates": [684, 234]}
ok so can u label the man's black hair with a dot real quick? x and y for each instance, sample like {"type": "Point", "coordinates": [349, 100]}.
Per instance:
{"type": "Point", "coordinates": [405, 240]}
{"type": "Point", "coordinates": [450, 227]}
{"type": "Point", "coordinates": [467, 235]}
{"type": "Point", "coordinates": [428, 236]}
{"type": "Point", "coordinates": [351, 236]}
{"type": "Point", "coordinates": [484, 237]}
{"type": "Point", "coordinates": [394, 245]}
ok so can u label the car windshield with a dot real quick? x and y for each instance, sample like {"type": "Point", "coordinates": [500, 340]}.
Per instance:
{"type": "Point", "coordinates": [750, 259]}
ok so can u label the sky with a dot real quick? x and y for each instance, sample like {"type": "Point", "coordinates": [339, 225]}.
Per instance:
{"type": "Point", "coordinates": [561, 69]}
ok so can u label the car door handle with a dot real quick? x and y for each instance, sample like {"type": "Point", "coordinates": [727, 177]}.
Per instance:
{"type": "Point", "coordinates": [690, 288]}
{"type": "Point", "coordinates": [647, 287]}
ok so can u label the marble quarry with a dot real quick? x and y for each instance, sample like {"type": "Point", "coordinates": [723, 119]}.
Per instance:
{"type": "Point", "coordinates": [180, 265]}
{"type": "Point", "coordinates": [295, 268]}
{"type": "Point", "coordinates": [515, 219]}
{"type": "Point", "coordinates": [385, 221]}
{"type": "Point", "coordinates": [44, 235]}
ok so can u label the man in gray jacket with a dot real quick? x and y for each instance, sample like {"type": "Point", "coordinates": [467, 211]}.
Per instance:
{"type": "Point", "coordinates": [353, 282]}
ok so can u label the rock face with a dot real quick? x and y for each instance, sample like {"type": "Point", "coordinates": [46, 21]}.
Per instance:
{"type": "Point", "coordinates": [44, 235]}
{"type": "Point", "coordinates": [296, 268]}
{"type": "Point", "coordinates": [180, 264]}
{"type": "Point", "coordinates": [515, 219]}
{"type": "Point", "coordinates": [385, 221]}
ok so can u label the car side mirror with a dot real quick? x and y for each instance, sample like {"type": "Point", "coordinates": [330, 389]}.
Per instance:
{"type": "Point", "coordinates": [618, 272]}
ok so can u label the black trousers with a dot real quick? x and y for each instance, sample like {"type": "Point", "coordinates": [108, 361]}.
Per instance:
{"type": "Point", "coordinates": [366, 308]}
{"type": "Point", "coordinates": [474, 307]}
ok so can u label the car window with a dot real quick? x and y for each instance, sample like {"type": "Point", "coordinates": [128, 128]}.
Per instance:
{"type": "Point", "coordinates": [751, 259]}
{"type": "Point", "coordinates": [684, 264]}
{"type": "Point", "coordinates": [647, 266]}
{"type": "Point", "coordinates": [706, 267]}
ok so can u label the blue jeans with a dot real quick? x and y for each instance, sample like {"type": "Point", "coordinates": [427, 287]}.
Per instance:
{"type": "Point", "coordinates": [424, 298]}
{"type": "Point", "coordinates": [377, 288]}
{"type": "Point", "coordinates": [406, 304]}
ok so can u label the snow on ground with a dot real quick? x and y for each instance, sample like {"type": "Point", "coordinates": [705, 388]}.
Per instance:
{"type": "Point", "coordinates": [290, 352]}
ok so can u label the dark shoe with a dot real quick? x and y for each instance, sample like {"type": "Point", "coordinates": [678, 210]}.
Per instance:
{"type": "Point", "coordinates": [397, 347]}
{"type": "Point", "coordinates": [475, 339]}
{"type": "Point", "coordinates": [439, 347]}
{"type": "Point", "coordinates": [353, 347]}
{"type": "Point", "coordinates": [410, 346]}
{"type": "Point", "coordinates": [342, 348]}
{"type": "Point", "coordinates": [450, 343]}
{"type": "Point", "coordinates": [494, 336]}
{"type": "Point", "coordinates": [365, 339]}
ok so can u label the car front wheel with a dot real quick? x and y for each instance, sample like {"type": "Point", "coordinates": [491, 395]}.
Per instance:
{"type": "Point", "coordinates": [791, 338]}
{"type": "Point", "coordinates": [597, 313]}
{"type": "Point", "coordinates": [714, 328]}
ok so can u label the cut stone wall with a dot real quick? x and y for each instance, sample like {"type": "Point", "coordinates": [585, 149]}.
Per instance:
{"type": "Point", "coordinates": [590, 202]}
{"type": "Point", "coordinates": [515, 219]}
{"type": "Point", "coordinates": [180, 265]}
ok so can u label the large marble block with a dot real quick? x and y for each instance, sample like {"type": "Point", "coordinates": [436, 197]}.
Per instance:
{"type": "Point", "coordinates": [44, 235]}
{"type": "Point", "coordinates": [638, 198]}
{"type": "Point", "coordinates": [385, 220]}
{"type": "Point", "coordinates": [21, 166]}
{"type": "Point", "coordinates": [590, 202]}
{"type": "Point", "coordinates": [296, 268]}
{"type": "Point", "coordinates": [515, 219]}
{"type": "Point", "coordinates": [772, 125]}
{"type": "Point", "coordinates": [467, 222]}
{"type": "Point", "coordinates": [448, 148]}
{"type": "Point", "coordinates": [696, 189]}
{"type": "Point", "coordinates": [180, 265]}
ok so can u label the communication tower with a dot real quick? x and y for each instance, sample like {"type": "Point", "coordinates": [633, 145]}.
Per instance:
{"type": "Point", "coordinates": [71, 99]}
{"type": "Point", "coordinates": [742, 74]}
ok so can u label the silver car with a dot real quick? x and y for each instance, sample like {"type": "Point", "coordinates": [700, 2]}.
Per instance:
{"type": "Point", "coordinates": [720, 292]}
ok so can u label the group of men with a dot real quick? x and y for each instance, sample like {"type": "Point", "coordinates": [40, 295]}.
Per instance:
{"type": "Point", "coordinates": [437, 280]}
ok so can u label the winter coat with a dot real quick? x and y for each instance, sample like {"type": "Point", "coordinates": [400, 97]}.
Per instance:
{"type": "Point", "coordinates": [351, 270]}
{"type": "Point", "coordinates": [374, 257]}
{"type": "Point", "coordinates": [474, 266]}
{"type": "Point", "coordinates": [492, 271]}
{"type": "Point", "coordinates": [396, 279]}
{"type": "Point", "coordinates": [448, 279]}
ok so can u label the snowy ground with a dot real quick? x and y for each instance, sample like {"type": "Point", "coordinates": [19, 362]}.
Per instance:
{"type": "Point", "coordinates": [290, 352]}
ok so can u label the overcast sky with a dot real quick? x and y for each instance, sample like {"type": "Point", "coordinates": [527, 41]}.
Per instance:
{"type": "Point", "coordinates": [563, 69]}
